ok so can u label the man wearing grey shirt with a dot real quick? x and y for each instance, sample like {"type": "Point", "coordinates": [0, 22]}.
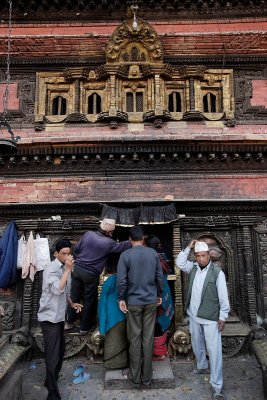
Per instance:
{"type": "Point", "coordinates": [139, 291]}
{"type": "Point", "coordinates": [207, 306]}
{"type": "Point", "coordinates": [51, 314]}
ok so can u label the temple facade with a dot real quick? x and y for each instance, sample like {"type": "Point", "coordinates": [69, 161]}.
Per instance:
{"type": "Point", "coordinates": [150, 110]}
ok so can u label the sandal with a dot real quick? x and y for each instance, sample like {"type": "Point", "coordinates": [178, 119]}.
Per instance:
{"type": "Point", "coordinates": [78, 370]}
{"type": "Point", "coordinates": [84, 376]}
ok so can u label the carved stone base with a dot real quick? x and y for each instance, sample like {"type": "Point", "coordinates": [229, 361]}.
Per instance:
{"type": "Point", "coordinates": [234, 337]}
{"type": "Point", "coordinates": [73, 343]}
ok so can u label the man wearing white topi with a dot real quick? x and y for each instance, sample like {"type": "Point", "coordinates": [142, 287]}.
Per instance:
{"type": "Point", "coordinates": [207, 306]}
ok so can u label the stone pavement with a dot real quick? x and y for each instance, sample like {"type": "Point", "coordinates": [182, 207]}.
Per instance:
{"type": "Point", "coordinates": [242, 378]}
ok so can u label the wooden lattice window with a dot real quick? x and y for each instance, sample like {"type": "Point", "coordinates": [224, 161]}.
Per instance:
{"type": "Point", "coordinates": [59, 106]}
{"type": "Point", "coordinates": [174, 102]}
{"type": "Point", "coordinates": [210, 103]}
{"type": "Point", "coordinates": [135, 102]}
{"type": "Point", "coordinates": [94, 103]}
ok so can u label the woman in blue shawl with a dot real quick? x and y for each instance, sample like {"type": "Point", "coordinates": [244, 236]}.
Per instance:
{"type": "Point", "coordinates": [112, 324]}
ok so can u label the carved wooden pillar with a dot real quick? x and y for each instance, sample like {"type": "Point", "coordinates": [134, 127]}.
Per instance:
{"type": "Point", "coordinates": [77, 96]}
{"type": "Point", "coordinates": [112, 109]}
{"type": "Point", "coordinates": [192, 73]}
{"type": "Point", "coordinates": [179, 307]}
{"type": "Point", "coordinates": [249, 276]}
{"type": "Point", "coordinates": [259, 237]}
{"type": "Point", "coordinates": [241, 289]}
{"type": "Point", "coordinates": [158, 105]}
{"type": "Point", "coordinates": [75, 75]}
{"type": "Point", "coordinates": [27, 302]}
{"type": "Point", "coordinates": [192, 93]}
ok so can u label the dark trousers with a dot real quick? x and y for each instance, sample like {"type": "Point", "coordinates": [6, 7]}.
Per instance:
{"type": "Point", "coordinates": [54, 345]}
{"type": "Point", "coordinates": [140, 332]}
{"type": "Point", "coordinates": [84, 285]}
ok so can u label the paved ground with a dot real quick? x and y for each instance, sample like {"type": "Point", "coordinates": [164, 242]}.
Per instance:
{"type": "Point", "coordinates": [242, 378]}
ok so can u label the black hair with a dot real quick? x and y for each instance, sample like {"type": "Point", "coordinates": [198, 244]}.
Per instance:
{"type": "Point", "coordinates": [61, 244]}
{"type": "Point", "coordinates": [136, 233]}
{"type": "Point", "coordinates": [153, 241]}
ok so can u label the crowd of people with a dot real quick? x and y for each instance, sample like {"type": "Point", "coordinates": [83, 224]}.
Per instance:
{"type": "Point", "coordinates": [135, 303]}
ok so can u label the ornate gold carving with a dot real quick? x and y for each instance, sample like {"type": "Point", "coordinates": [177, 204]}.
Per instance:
{"type": "Point", "coordinates": [194, 71]}
{"type": "Point", "coordinates": [76, 73]}
{"type": "Point", "coordinates": [140, 45]}
{"type": "Point", "coordinates": [134, 62]}
{"type": "Point", "coordinates": [135, 117]}
{"type": "Point", "coordinates": [134, 72]}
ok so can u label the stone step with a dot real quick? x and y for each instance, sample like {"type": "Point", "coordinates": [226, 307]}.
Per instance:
{"type": "Point", "coordinates": [163, 377]}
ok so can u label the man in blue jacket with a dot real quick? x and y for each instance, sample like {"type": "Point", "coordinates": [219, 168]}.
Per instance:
{"type": "Point", "coordinates": [91, 254]}
{"type": "Point", "coordinates": [139, 288]}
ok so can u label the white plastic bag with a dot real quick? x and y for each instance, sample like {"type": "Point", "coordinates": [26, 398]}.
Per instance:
{"type": "Point", "coordinates": [22, 243]}
{"type": "Point", "coordinates": [42, 253]}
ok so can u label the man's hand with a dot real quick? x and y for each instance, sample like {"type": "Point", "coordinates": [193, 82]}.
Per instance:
{"type": "Point", "coordinates": [159, 301]}
{"type": "Point", "coordinates": [192, 243]}
{"type": "Point", "coordinates": [221, 325]}
{"type": "Point", "coordinates": [69, 263]}
{"type": "Point", "coordinates": [78, 307]}
{"type": "Point", "coordinates": [123, 306]}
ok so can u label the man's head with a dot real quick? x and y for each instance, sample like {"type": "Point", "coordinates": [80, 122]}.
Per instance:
{"type": "Point", "coordinates": [154, 242]}
{"type": "Point", "coordinates": [108, 225]}
{"type": "Point", "coordinates": [62, 250]}
{"type": "Point", "coordinates": [136, 234]}
{"type": "Point", "coordinates": [202, 254]}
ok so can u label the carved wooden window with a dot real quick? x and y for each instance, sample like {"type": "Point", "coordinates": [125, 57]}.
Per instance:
{"type": "Point", "coordinates": [94, 104]}
{"type": "Point", "coordinates": [212, 103]}
{"type": "Point", "coordinates": [59, 106]}
{"type": "Point", "coordinates": [174, 102]}
{"type": "Point", "coordinates": [135, 102]}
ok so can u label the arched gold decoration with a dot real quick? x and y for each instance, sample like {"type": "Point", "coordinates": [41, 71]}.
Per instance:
{"type": "Point", "coordinates": [134, 45]}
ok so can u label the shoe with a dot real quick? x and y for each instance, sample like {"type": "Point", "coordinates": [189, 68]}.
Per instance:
{"type": "Point", "coordinates": [78, 370]}
{"type": "Point", "coordinates": [201, 371]}
{"type": "Point", "coordinates": [217, 395]}
{"type": "Point", "coordinates": [84, 376]}
{"type": "Point", "coordinates": [146, 386]}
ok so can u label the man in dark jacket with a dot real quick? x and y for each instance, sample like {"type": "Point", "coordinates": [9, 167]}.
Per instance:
{"type": "Point", "coordinates": [139, 288]}
{"type": "Point", "coordinates": [91, 254]}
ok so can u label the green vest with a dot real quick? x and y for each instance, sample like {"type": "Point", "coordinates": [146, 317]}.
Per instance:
{"type": "Point", "coordinates": [209, 304]}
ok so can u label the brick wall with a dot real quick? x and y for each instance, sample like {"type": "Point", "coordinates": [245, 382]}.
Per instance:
{"type": "Point", "coordinates": [99, 189]}
{"type": "Point", "coordinates": [259, 93]}
{"type": "Point", "coordinates": [13, 101]}
{"type": "Point", "coordinates": [180, 38]}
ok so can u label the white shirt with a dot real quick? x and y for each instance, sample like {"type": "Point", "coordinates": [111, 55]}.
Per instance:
{"type": "Point", "coordinates": [53, 301]}
{"type": "Point", "coordinates": [185, 265]}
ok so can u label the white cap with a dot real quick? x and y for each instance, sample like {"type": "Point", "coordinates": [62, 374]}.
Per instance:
{"type": "Point", "coordinates": [201, 246]}
{"type": "Point", "coordinates": [108, 224]}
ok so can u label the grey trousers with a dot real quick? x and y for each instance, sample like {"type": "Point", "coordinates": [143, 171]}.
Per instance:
{"type": "Point", "coordinates": [140, 333]}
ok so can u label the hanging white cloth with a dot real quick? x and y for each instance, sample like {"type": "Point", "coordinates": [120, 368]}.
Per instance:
{"type": "Point", "coordinates": [29, 260]}
{"type": "Point", "coordinates": [42, 253]}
